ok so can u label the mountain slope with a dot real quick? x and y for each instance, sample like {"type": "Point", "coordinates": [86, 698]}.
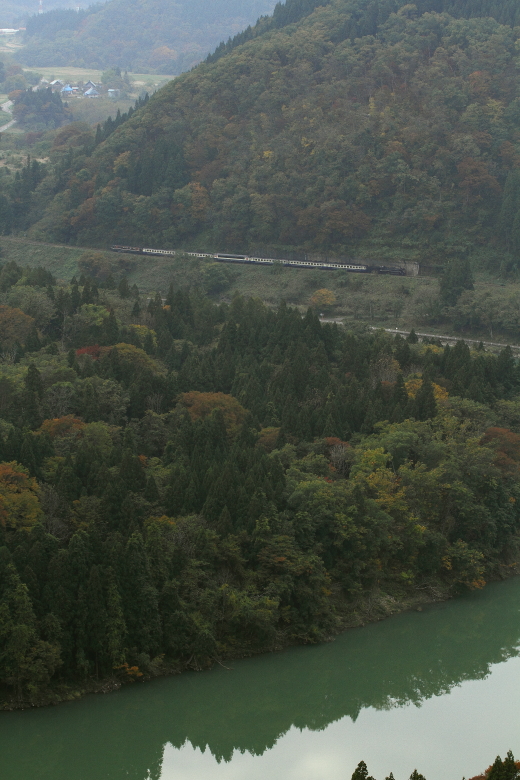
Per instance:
{"type": "Point", "coordinates": [13, 12]}
{"type": "Point", "coordinates": [396, 145]}
{"type": "Point", "coordinates": [138, 35]}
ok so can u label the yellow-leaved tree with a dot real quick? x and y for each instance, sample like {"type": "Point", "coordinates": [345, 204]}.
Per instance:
{"type": "Point", "coordinates": [323, 299]}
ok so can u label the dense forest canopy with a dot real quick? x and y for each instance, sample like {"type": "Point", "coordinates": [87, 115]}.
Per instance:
{"type": "Point", "coordinates": [182, 481]}
{"type": "Point", "coordinates": [140, 35]}
{"type": "Point", "coordinates": [320, 136]}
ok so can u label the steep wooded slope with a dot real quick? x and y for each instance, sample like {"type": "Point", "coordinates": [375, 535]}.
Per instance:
{"type": "Point", "coordinates": [306, 138]}
{"type": "Point", "coordinates": [138, 35]}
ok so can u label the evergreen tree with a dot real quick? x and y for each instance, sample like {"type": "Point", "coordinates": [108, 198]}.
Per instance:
{"type": "Point", "coordinates": [361, 772]}
{"type": "Point", "coordinates": [504, 770]}
{"type": "Point", "coordinates": [110, 329]}
{"type": "Point", "coordinates": [27, 663]}
{"type": "Point", "coordinates": [116, 626]}
{"type": "Point", "coordinates": [140, 598]}
{"type": "Point", "coordinates": [97, 619]}
{"type": "Point", "coordinates": [425, 406]}
{"type": "Point", "coordinates": [124, 288]}
{"type": "Point", "coordinates": [33, 343]}
{"type": "Point", "coordinates": [457, 277]}
{"type": "Point", "coordinates": [509, 208]}
{"type": "Point", "coordinates": [33, 381]}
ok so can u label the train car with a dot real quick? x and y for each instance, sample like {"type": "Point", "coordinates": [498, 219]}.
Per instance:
{"type": "Point", "coordinates": [358, 269]}
{"type": "Point", "coordinates": [133, 250]}
{"type": "Point", "coordinates": [225, 257]}
{"type": "Point", "coordinates": [159, 252]}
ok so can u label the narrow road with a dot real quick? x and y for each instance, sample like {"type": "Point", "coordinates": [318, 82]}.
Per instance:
{"type": "Point", "coordinates": [442, 338]}
{"type": "Point", "coordinates": [339, 321]}
{"type": "Point", "coordinates": [6, 108]}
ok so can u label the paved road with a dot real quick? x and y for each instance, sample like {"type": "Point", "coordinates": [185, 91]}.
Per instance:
{"type": "Point", "coordinates": [6, 108]}
{"type": "Point", "coordinates": [442, 338]}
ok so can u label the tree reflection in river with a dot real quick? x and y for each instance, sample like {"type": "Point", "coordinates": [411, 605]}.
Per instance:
{"type": "Point", "coordinates": [408, 658]}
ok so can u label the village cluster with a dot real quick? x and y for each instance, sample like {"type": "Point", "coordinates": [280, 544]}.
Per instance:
{"type": "Point", "coordinates": [88, 89]}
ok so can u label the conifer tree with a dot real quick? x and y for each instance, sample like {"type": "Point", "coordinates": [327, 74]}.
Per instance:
{"type": "Point", "coordinates": [33, 343]}
{"type": "Point", "coordinates": [457, 277]}
{"type": "Point", "coordinates": [425, 403]}
{"type": "Point", "coordinates": [510, 207]}
{"type": "Point", "coordinates": [33, 381]}
{"type": "Point", "coordinates": [123, 288]}
{"type": "Point", "coordinates": [110, 329]}
{"type": "Point", "coordinates": [361, 772]}
{"type": "Point", "coordinates": [504, 770]}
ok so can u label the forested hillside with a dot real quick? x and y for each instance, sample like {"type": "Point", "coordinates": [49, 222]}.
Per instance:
{"type": "Point", "coordinates": [310, 138]}
{"type": "Point", "coordinates": [139, 35]}
{"type": "Point", "coordinates": [15, 12]}
{"type": "Point", "coordinates": [182, 481]}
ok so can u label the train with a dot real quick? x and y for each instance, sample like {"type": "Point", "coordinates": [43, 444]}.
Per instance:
{"type": "Point", "coordinates": [360, 268]}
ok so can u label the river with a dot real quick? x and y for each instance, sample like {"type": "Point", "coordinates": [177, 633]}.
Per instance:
{"type": "Point", "coordinates": [438, 690]}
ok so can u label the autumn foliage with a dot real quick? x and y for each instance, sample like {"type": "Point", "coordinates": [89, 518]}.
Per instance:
{"type": "Point", "coordinates": [92, 351]}
{"type": "Point", "coordinates": [15, 326]}
{"type": "Point", "coordinates": [323, 299]}
{"type": "Point", "coordinates": [62, 426]}
{"type": "Point", "coordinates": [200, 405]}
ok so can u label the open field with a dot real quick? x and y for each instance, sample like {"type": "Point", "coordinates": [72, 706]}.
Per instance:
{"type": "Point", "coordinates": [9, 45]}
{"type": "Point", "coordinates": [380, 301]}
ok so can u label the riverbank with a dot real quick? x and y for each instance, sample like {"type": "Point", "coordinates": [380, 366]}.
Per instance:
{"type": "Point", "coordinates": [372, 608]}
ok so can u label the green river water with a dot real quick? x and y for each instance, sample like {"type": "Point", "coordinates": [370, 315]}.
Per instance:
{"type": "Point", "coordinates": [438, 690]}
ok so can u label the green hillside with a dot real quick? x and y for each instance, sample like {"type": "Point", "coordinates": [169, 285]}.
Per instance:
{"type": "Point", "coordinates": [139, 35]}
{"type": "Point", "coordinates": [400, 145]}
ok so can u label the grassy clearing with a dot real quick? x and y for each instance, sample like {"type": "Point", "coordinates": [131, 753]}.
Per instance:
{"type": "Point", "coordinates": [60, 261]}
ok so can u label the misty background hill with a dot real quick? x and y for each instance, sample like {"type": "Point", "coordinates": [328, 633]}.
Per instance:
{"type": "Point", "coordinates": [15, 12]}
{"type": "Point", "coordinates": [160, 36]}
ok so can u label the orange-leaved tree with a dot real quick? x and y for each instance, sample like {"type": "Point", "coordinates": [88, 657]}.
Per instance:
{"type": "Point", "coordinates": [200, 405]}
{"type": "Point", "coordinates": [62, 426]}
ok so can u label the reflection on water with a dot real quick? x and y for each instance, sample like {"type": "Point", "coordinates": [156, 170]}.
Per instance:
{"type": "Point", "coordinates": [224, 713]}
